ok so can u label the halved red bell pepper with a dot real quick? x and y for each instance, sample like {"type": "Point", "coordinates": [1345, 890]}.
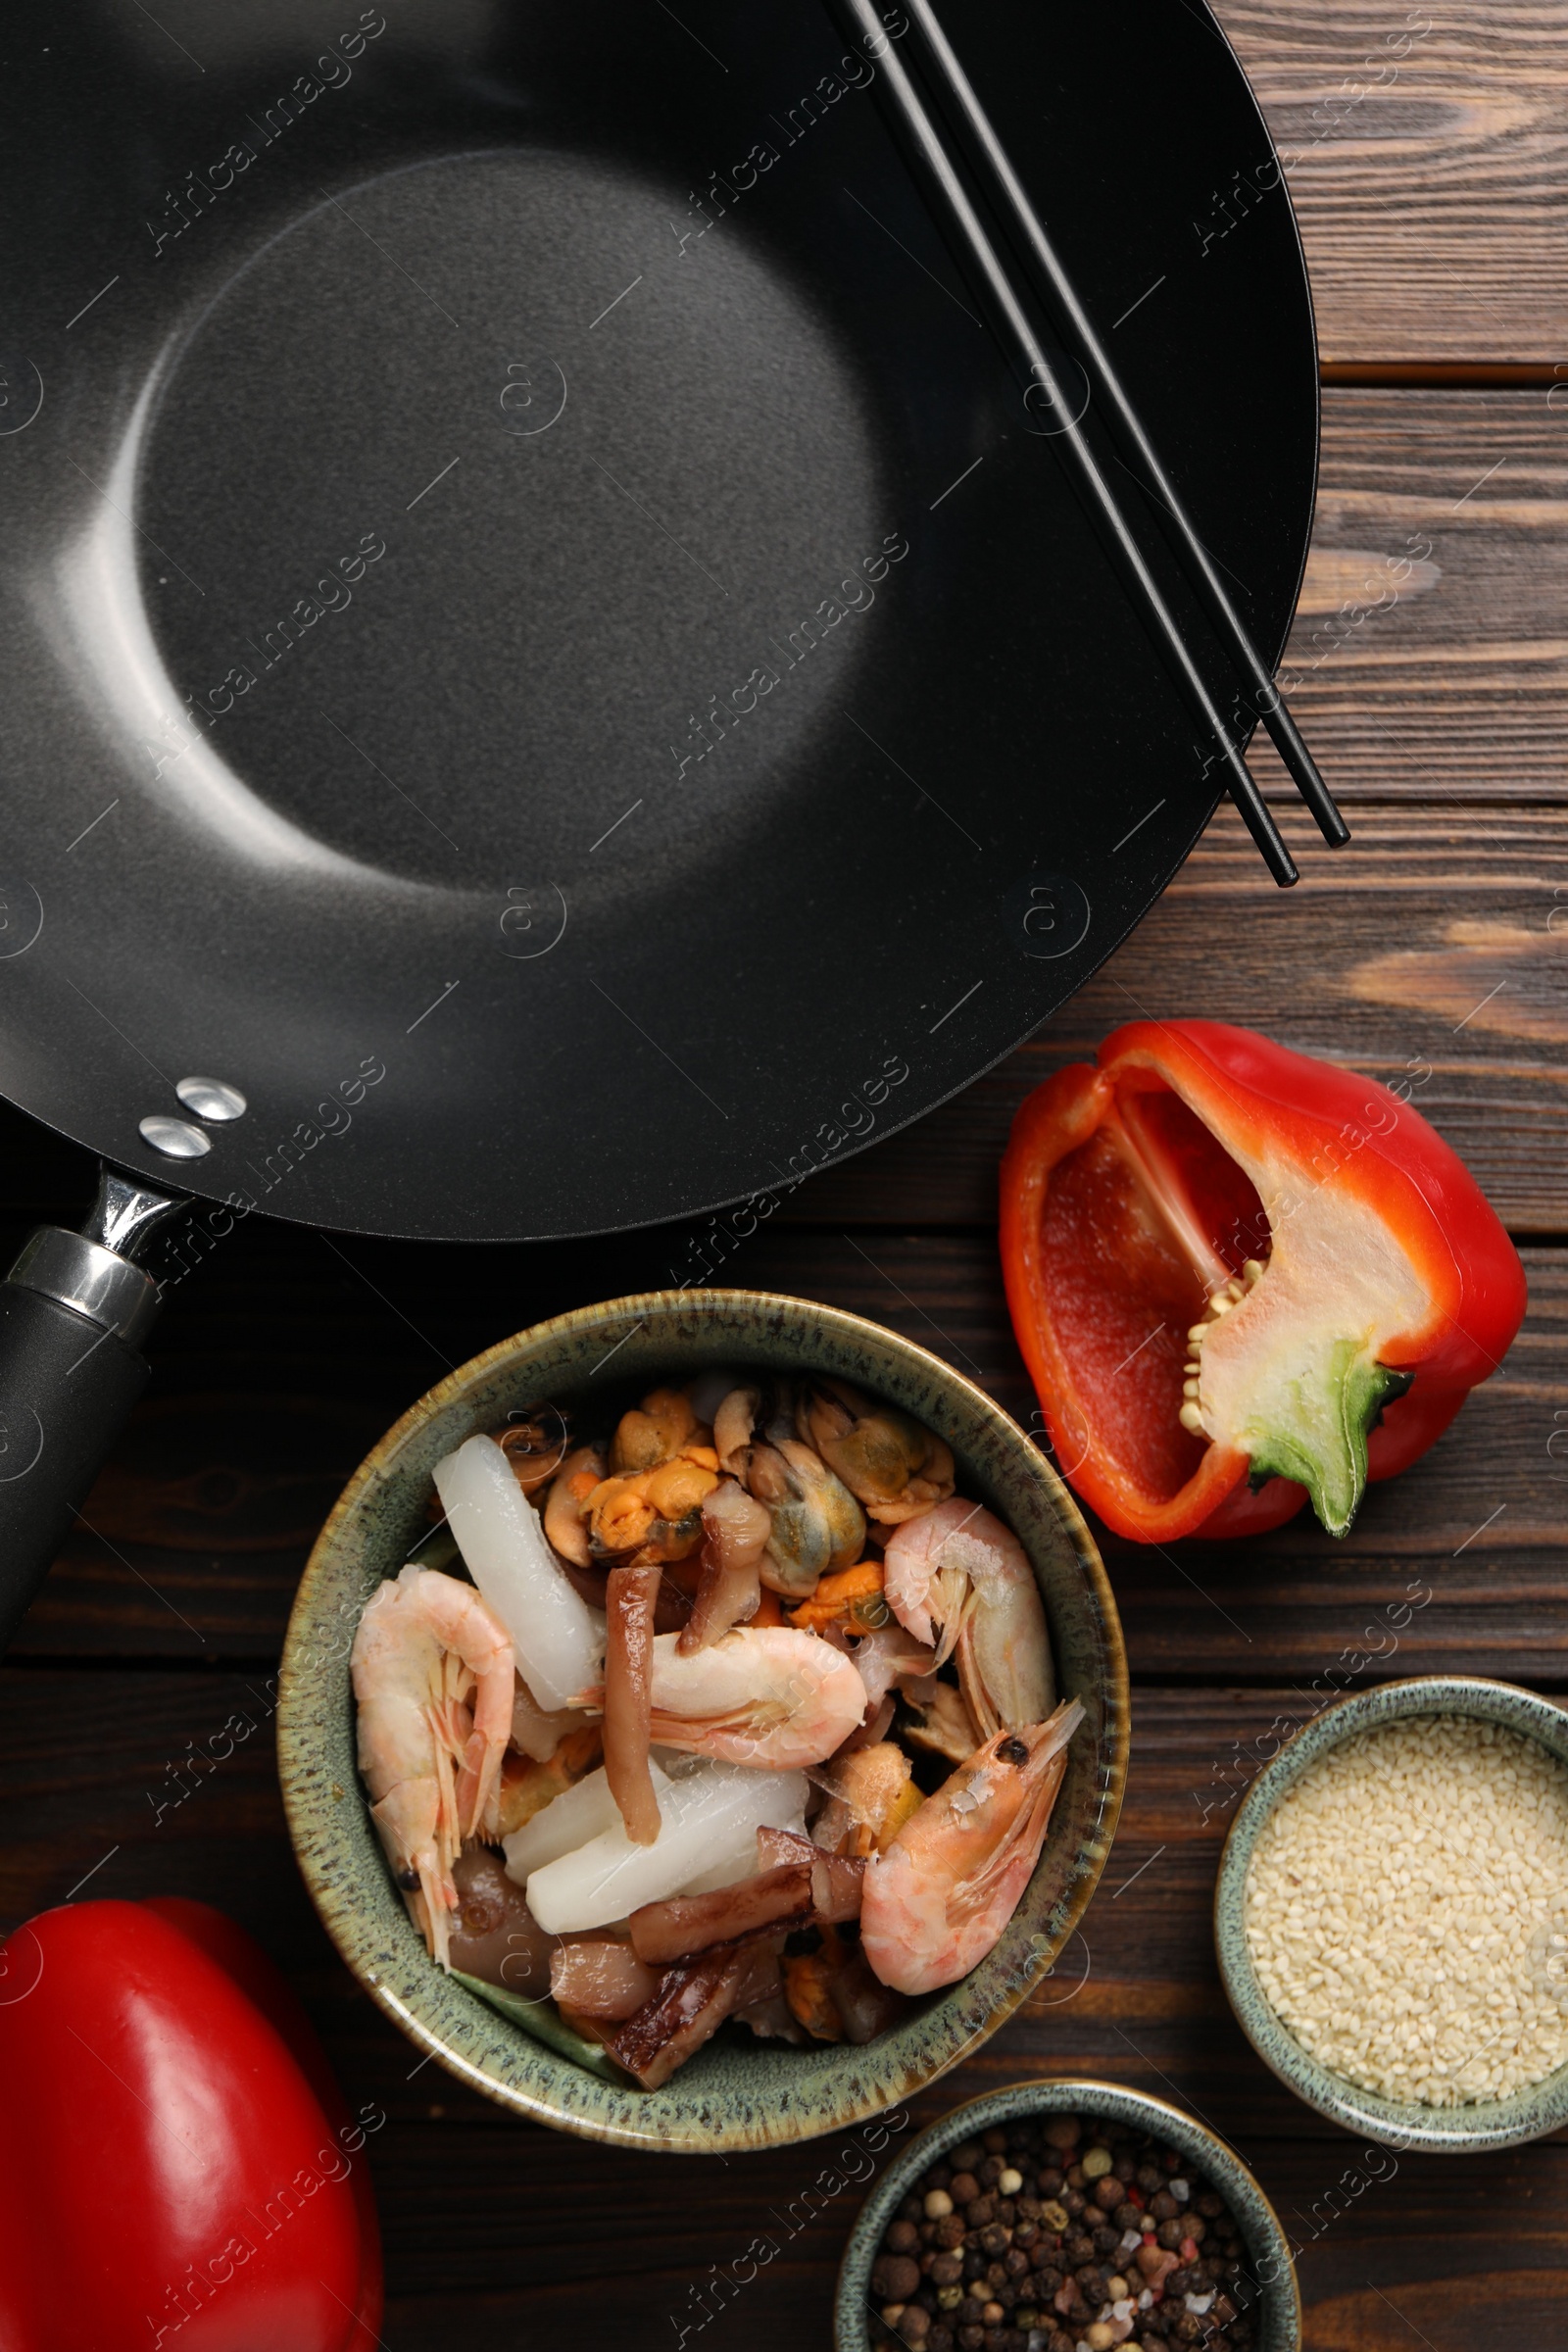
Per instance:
{"type": "Point", "coordinates": [1241, 1277]}
{"type": "Point", "coordinates": [178, 2167]}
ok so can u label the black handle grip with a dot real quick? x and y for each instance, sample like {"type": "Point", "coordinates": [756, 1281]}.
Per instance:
{"type": "Point", "coordinates": [66, 1388]}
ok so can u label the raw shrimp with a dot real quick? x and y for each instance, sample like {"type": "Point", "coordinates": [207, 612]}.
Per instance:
{"type": "Point", "coordinates": [959, 1570]}
{"type": "Point", "coordinates": [765, 1696]}
{"type": "Point", "coordinates": [425, 1647]}
{"type": "Point", "coordinates": [936, 1902]}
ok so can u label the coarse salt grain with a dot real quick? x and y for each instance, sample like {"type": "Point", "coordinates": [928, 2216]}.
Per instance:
{"type": "Point", "coordinates": [1398, 1901]}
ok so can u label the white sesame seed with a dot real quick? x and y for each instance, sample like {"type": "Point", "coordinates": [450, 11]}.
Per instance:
{"type": "Point", "coordinates": [1400, 1901]}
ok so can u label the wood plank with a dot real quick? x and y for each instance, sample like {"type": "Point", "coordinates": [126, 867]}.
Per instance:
{"type": "Point", "coordinates": [272, 1384]}
{"type": "Point", "coordinates": [1437, 699]}
{"type": "Point", "coordinates": [1433, 212]}
{"type": "Point", "coordinates": [1434, 950]}
{"type": "Point", "coordinates": [493, 2225]}
{"type": "Point", "coordinates": [1429, 656]}
{"type": "Point", "coordinates": [1427, 155]}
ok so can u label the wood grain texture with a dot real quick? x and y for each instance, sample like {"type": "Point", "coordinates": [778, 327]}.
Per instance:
{"type": "Point", "coordinates": [496, 2230]}
{"type": "Point", "coordinates": [194, 1537]}
{"type": "Point", "coordinates": [1429, 670]}
{"type": "Point", "coordinates": [1430, 655]}
{"type": "Point", "coordinates": [1434, 951]}
{"type": "Point", "coordinates": [1427, 156]}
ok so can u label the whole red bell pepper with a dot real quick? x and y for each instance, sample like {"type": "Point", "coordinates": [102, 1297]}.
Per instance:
{"type": "Point", "coordinates": [1242, 1277]}
{"type": "Point", "coordinates": [178, 2167]}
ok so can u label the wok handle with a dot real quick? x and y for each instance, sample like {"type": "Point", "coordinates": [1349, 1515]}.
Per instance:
{"type": "Point", "coordinates": [73, 1313]}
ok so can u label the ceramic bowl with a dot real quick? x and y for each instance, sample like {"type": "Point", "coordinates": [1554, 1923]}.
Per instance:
{"type": "Point", "coordinates": [1267, 2247]}
{"type": "Point", "coordinates": [1439, 2131]}
{"type": "Point", "coordinates": [728, 2096]}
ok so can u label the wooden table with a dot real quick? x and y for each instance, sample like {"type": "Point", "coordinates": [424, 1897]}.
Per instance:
{"type": "Point", "coordinates": [1433, 203]}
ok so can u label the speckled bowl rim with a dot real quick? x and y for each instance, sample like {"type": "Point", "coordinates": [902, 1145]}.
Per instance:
{"type": "Point", "coordinates": [1432, 2130]}
{"type": "Point", "coordinates": [1077, 2094]}
{"type": "Point", "coordinates": [971, 2012]}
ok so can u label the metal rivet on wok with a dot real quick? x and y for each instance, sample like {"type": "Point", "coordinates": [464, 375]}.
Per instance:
{"type": "Point", "coordinates": [211, 1098]}
{"type": "Point", "coordinates": [177, 1139]}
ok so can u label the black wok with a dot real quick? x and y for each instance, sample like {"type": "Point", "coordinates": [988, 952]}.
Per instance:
{"type": "Point", "coordinates": [551, 684]}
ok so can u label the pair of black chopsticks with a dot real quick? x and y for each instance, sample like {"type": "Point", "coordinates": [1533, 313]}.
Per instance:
{"type": "Point", "coordinates": [959, 158]}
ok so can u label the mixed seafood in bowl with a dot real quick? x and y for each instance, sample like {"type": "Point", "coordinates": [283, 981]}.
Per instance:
{"type": "Point", "coordinates": [740, 2090]}
{"type": "Point", "coordinates": [748, 1713]}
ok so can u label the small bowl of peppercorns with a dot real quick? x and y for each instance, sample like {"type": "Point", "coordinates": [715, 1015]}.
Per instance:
{"type": "Point", "coordinates": [1068, 2216]}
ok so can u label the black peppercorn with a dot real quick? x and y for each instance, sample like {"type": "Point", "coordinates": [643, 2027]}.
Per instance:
{"type": "Point", "coordinates": [1004, 2266]}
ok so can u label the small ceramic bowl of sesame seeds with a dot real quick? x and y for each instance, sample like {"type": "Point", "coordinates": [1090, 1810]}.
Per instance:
{"type": "Point", "coordinates": [1392, 1914]}
{"type": "Point", "coordinates": [1068, 2216]}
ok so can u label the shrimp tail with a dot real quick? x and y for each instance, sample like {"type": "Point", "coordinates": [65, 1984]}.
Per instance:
{"type": "Point", "coordinates": [972, 1683]}
{"type": "Point", "coordinates": [478, 1781]}
{"type": "Point", "coordinates": [437, 1914]}
{"type": "Point", "coordinates": [409, 1819]}
{"type": "Point", "coordinates": [722, 1735]}
{"type": "Point", "coordinates": [956, 1606]}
